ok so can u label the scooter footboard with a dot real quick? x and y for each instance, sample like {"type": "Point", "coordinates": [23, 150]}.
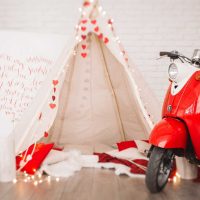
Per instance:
{"type": "Point", "coordinates": [169, 133]}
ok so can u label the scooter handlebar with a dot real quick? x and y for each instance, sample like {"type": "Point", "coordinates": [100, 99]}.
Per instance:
{"type": "Point", "coordinates": [172, 54]}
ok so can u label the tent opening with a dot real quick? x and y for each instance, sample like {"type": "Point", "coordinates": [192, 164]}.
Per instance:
{"type": "Point", "coordinates": [96, 102]}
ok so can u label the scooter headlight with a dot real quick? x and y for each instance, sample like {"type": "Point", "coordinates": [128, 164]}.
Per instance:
{"type": "Point", "coordinates": [173, 71]}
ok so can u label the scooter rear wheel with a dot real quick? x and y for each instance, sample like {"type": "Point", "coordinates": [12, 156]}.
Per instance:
{"type": "Point", "coordinates": [159, 167]}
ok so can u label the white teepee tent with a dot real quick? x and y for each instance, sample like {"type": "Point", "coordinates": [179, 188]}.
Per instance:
{"type": "Point", "coordinates": [93, 94]}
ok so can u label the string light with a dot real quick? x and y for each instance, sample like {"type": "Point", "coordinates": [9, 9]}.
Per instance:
{"type": "Point", "coordinates": [80, 9]}
{"type": "Point", "coordinates": [57, 179]}
{"type": "Point", "coordinates": [100, 8]}
{"type": "Point", "coordinates": [35, 183]}
{"type": "Point", "coordinates": [174, 179]}
{"type": "Point", "coordinates": [49, 179]}
{"type": "Point", "coordinates": [14, 181]}
{"type": "Point", "coordinates": [178, 175]}
{"type": "Point", "coordinates": [104, 13]}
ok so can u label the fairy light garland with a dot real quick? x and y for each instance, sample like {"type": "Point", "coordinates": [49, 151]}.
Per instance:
{"type": "Point", "coordinates": [36, 179]}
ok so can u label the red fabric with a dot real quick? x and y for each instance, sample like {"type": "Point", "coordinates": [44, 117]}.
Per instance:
{"type": "Point", "coordinates": [40, 153]}
{"type": "Point", "coordinates": [104, 158]}
{"type": "Point", "coordinates": [125, 145]}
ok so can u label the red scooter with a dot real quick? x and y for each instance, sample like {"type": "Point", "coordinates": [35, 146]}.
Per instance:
{"type": "Point", "coordinates": [178, 132]}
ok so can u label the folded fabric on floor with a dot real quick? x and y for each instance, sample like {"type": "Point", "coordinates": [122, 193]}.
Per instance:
{"type": "Point", "coordinates": [64, 164]}
{"type": "Point", "coordinates": [137, 166]}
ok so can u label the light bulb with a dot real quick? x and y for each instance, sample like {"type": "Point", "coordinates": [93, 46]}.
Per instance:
{"type": "Point", "coordinates": [57, 179]}
{"type": "Point", "coordinates": [35, 183]}
{"type": "Point", "coordinates": [14, 181]}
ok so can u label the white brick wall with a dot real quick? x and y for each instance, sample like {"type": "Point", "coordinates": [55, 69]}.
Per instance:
{"type": "Point", "coordinates": [144, 26]}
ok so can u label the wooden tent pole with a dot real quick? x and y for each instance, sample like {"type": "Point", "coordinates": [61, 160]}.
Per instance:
{"type": "Point", "coordinates": [108, 78]}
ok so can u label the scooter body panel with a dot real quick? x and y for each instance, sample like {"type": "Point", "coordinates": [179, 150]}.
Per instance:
{"type": "Point", "coordinates": [185, 105]}
{"type": "Point", "coordinates": [169, 133]}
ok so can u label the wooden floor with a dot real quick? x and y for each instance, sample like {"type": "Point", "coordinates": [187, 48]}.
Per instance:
{"type": "Point", "coordinates": [97, 184]}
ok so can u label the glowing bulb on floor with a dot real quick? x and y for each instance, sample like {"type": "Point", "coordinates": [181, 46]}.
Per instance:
{"type": "Point", "coordinates": [178, 175]}
{"type": "Point", "coordinates": [49, 179]}
{"type": "Point", "coordinates": [57, 179]}
{"type": "Point", "coordinates": [14, 181]}
{"type": "Point", "coordinates": [174, 179]}
{"type": "Point", "coordinates": [35, 183]}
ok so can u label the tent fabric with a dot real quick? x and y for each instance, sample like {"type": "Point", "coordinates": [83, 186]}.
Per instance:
{"type": "Point", "coordinates": [96, 102]}
{"type": "Point", "coordinates": [100, 96]}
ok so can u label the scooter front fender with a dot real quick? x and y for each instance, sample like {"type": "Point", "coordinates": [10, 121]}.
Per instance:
{"type": "Point", "coordinates": [169, 133]}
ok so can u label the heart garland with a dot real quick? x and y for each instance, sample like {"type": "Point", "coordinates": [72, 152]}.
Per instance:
{"type": "Point", "coordinates": [84, 21]}
{"type": "Point", "coordinates": [55, 83]}
{"type": "Point", "coordinates": [83, 46]}
{"type": "Point", "coordinates": [86, 3]}
{"type": "Point", "coordinates": [83, 28]}
{"type": "Point", "coordinates": [52, 105]}
{"type": "Point", "coordinates": [84, 55]}
{"type": "Point", "coordinates": [46, 134]}
{"type": "Point", "coordinates": [96, 29]}
{"type": "Point", "coordinates": [94, 21]}
{"type": "Point", "coordinates": [83, 37]}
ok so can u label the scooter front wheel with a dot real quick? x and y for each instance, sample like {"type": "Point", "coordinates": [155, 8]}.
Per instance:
{"type": "Point", "coordinates": [159, 167]}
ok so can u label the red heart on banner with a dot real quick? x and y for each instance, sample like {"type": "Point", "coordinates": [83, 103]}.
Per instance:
{"type": "Point", "coordinates": [106, 40]}
{"type": "Point", "coordinates": [52, 105]}
{"type": "Point", "coordinates": [53, 98]}
{"type": "Point", "coordinates": [83, 37]}
{"type": "Point", "coordinates": [100, 36]}
{"type": "Point", "coordinates": [84, 21]}
{"type": "Point", "coordinates": [83, 55]}
{"type": "Point", "coordinates": [55, 82]}
{"type": "Point", "coordinates": [94, 21]}
{"type": "Point", "coordinates": [54, 89]}
{"type": "Point", "coordinates": [96, 29]}
{"type": "Point", "coordinates": [46, 134]}
{"type": "Point", "coordinates": [84, 46]}
{"type": "Point", "coordinates": [87, 3]}
{"type": "Point", "coordinates": [83, 28]}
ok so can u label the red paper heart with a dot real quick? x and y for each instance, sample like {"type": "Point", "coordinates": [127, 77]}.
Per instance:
{"type": "Point", "coordinates": [96, 29]}
{"type": "Point", "coordinates": [46, 134]}
{"type": "Point", "coordinates": [86, 3]}
{"type": "Point", "coordinates": [84, 46]}
{"type": "Point", "coordinates": [100, 36]}
{"type": "Point", "coordinates": [84, 21]}
{"type": "Point", "coordinates": [83, 37]}
{"type": "Point", "coordinates": [94, 21]}
{"type": "Point", "coordinates": [106, 40]}
{"type": "Point", "coordinates": [53, 98]}
{"type": "Point", "coordinates": [52, 105]}
{"type": "Point", "coordinates": [55, 82]}
{"type": "Point", "coordinates": [83, 28]}
{"type": "Point", "coordinates": [54, 89]}
{"type": "Point", "coordinates": [83, 55]}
